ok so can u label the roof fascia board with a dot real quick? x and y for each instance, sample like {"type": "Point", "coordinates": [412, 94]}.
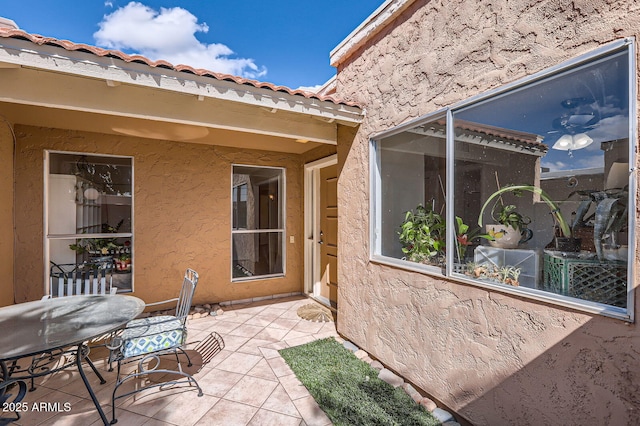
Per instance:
{"type": "Point", "coordinates": [379, 19]}
{"type": "Point", "coordinates": [27, 54]}
{"type": "Point", "coordinates": [29, 86]}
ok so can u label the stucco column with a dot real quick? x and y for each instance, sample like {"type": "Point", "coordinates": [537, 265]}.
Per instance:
{"type": "Point", "coordinates": [6, 213]}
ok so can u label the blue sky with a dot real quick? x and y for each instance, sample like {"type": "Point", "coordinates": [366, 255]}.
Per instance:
{"type": "Point", "coordinates": [285, 42]}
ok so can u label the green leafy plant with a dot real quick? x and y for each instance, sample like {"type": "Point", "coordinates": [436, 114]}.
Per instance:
{"type": "Point", "coordinates": [422, 234]}
{"type": "Point", "coordinates": [560, 221]}
{"type": "Point", "coordinates": [465, 237]}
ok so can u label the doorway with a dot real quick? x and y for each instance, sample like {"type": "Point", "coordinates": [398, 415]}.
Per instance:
{"type": "Point", "coordinates": [321, 230]}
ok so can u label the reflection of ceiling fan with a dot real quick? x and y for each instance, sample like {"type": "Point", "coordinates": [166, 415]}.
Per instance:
{"type": "Point", "coordinates": [574, 124]}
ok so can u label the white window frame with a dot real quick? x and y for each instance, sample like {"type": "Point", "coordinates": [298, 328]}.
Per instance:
{"type": "Point", "coordinates": [48, 237]}
{"type": "Point", "coordinates": [282, 196]}
{"type": "Point", "coordinates": [375, 255]}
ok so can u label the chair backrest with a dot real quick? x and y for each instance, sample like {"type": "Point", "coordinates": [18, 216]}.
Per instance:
{"type": "Point", "coordinates": [186, 293]}
{"type": "Point", "coordinates": [85, 278]}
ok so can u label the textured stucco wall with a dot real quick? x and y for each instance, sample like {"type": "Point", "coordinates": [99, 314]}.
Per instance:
{"type": "Point", "coordinates": [182, 213]}
{"type": "Point", "coordinates": [494, 358]}
{"type": "Point", "coordinates": [6, 214]}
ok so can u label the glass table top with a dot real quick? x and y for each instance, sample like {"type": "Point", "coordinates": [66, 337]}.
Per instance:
{"type": "Point", "coordinates": [35, 327]}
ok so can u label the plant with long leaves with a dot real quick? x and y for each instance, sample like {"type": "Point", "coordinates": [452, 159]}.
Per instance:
{"type": "Point", "coordinates": [563, 226]}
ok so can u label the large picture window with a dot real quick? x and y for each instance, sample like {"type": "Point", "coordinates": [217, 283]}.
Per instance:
{"type": "Point", "coordinates": [89, 226]}
{"type": "Point", "coordinates": [257, 233]}
{"type": "Point", "coordinates": [538, 187]}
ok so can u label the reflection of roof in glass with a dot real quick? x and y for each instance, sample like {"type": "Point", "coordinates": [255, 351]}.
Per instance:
{"type": "Point", "coordinates": [530, 141]}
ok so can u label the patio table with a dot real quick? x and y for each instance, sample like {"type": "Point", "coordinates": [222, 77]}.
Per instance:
{"type": "Point", "coordinates": [34, 328]}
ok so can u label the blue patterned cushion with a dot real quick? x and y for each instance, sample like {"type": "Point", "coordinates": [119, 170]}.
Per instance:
{"type": "Point", "coordinates": [146, 335]}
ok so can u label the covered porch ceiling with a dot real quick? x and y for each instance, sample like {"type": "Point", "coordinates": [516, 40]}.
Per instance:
{"type": "Point", "coordinates": [48, 85]}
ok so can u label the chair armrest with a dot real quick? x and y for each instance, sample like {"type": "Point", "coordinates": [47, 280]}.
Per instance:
{"type": "Point", "coordinates": [162, 302]}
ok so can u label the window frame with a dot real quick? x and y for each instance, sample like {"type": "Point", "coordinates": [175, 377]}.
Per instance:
{"type": "Point", "coordinates": [282, 231]}
{"type": "Point", "coordinates": [48, 237]}
{"type": "Point", "coordinates": [628, 314]}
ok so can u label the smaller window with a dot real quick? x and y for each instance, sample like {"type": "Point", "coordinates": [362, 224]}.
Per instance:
{"type": "Point", "coordinates": [257, 196]}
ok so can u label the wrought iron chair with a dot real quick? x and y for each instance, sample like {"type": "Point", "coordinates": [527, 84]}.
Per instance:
{"type": "Point", "coordinates": [85, 278]}
{"type": "Point", "coordinates": [90, 278]}
{"type": "Point", "coordinates": [145, 340]}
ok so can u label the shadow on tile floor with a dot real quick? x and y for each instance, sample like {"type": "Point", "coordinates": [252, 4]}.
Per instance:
{"type": "Point", "coordinates": [247, 383]}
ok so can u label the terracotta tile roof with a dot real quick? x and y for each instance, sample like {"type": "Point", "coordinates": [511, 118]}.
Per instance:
{"type": "Point", "coordinates": [71, 46]}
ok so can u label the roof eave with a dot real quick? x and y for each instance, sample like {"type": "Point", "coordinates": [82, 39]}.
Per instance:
{"type": "Point", "coordinates": [16, 52]}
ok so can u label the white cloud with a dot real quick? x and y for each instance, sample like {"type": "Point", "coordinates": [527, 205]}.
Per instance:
{"type": "Point", "coordinates": [108, 4]}
{"type": "Point", "coordinates": [312, 89]}
{"type": "Point", "coordinates": [170, 34]}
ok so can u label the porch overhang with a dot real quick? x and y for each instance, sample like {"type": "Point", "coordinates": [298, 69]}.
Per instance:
{"type": "Point", "coordinates": [50, 86]}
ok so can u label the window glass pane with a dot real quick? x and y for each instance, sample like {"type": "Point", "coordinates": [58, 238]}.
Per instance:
{"type": "Point", "coordinates": [257, 202]}
{"type": "Point", "coordinates": [257, 195]}
{"type": "Point", "coordinates": [90, 194]}
{"type": "Point", "coordinates": [564, 142]}
{"type": "Point", "coordinates": [412, 194]}
{"type": "Point", "coordinates": [256, 254]}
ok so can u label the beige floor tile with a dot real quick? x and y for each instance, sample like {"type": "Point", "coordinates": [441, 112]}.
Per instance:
{"type": "Point", "coordinates": [311, 412]}
{"type": "Point", "coordinates": [300, 340]}
{"type": "Point", "coordinates": [260, 321]}
{"type": "Point", "coordinates": [125, 417]}
{"type": "Point", "coordinates": [294, 335]}
{"type": "Point", "coordinates": [50, 405]}
{"type": "Point", "coordinates": [228, 413]}
{"type": "Point", "coordinates": [156, 422]}
{"type": "Point", "coordinates": [222, 326]}
{"type": "Point", "coordinates": [308, 327]}
{"type": "Point", "coordinates": [232, 343]}
{"type": "Point", "coordinates": [218, 382]}
{"type": "Point", "coordinates": [250, 390]}
{"type": "Point", "coordinates": [270, 418]}
{"type": "Point", "coordinates": [291, 314]}
{"type": "Point", "coordinates": [81, 413]}
{"type": "Point", "coordinates": [279, 366]}
{"type": "Point", "coordinates": [221, 356]}
{"type": "Point", "coordinates": [284, 323]}
{"type": "Point", "coordinates": [280, 401]}
{"type": "Point", "coordinates": [253, 309]}
{"type": "Point", "coordinates": [186, 409]}
{"type": "Point", "coordinates": [271, 351]}
{"type": "Point", "coordinates": [263, 370]}
{"type": "Point", "coordinates": [237, 317]}
{"type": "Point", "coordinates": [246, 330]}
{"type": "Point", "coordinates": [150, 401]}
{"type": "Point", "coordinates": [274, 309]}
{"type": "Point", "coordinates": [294, 387]}
{"type": "Point", "coordinates": [239, 363]}
{"type": "Point", "coordinates": [253, 346]}
{"type": "Point", "coordinates": [272, 334]}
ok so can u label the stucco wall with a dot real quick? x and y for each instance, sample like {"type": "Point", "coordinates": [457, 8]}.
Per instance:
{"type": "Point", "coordinates": [6, 213]}
{"type": "Point", "coordinates": [492, 357]}
{"type": "Point", "coordinates": [182, 213]}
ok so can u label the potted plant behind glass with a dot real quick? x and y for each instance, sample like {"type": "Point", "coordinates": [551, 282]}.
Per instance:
{"type": "Point", "coordinates": [511, 229]}
{"type": "Point", "coordinates": [422, 235]}
{"type": "Point", "coordinates": [563, 240]}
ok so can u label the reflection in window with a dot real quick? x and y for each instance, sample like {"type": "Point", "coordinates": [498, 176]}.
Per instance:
{"type": "Point", "coordinates": [412, 222]}
{"type": "Point", "coordinates": [540, 184]}
{"type": "Point", "coordinates": [89, 215]}
{"type": "Point", "coordinates": [257, 222]}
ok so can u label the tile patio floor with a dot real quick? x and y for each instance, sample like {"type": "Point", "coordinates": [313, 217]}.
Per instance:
{"type": "Point", "coordinates": [248, 383]}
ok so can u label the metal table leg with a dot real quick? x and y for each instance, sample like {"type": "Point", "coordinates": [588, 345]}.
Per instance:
{"type": "Point", "coordinates": [79, 357]}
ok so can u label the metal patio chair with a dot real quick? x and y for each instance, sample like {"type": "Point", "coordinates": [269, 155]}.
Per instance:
{"type": "Point", "coordinates": [95, 277]}
{"type": "Point", "coordinates": [145, 340]}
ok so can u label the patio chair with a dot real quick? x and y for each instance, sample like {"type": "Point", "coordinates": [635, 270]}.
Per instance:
{"type": "Point", "coordinates": [71, 279]}
{"type": "Point", "coordinates": [145, 340]}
